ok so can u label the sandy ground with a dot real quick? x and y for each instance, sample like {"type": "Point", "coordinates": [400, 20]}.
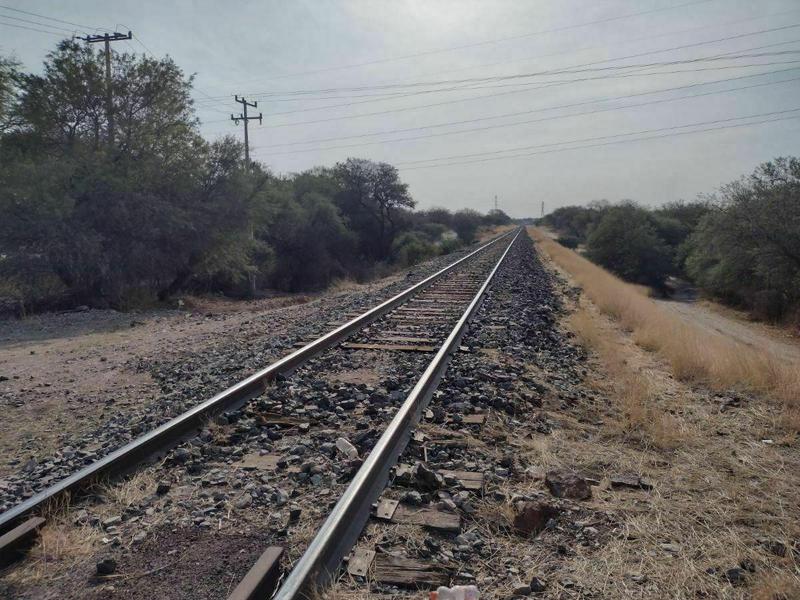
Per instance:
{"type": "Point", "coordinates": [729, 323]}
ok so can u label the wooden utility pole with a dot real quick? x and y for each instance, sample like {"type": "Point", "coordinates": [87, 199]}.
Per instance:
{"type": "Point", "coordinates": [243, 117]}
{"type": "Point", "coordinates": [107, 38]}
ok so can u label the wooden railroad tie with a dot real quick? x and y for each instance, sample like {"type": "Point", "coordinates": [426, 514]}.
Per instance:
{"type": "Point", "coordinates": [397, 570]}
{"type": "Point", "coordinates": [427, 516]}
{"type": "Point", "coordinates": [15, 543]}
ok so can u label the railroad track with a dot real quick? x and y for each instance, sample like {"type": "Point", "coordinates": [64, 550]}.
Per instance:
{"type": "Point", "coordinates": [424, 324]}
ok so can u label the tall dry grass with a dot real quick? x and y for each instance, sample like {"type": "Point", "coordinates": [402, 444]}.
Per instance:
{"type": "Point", "coordinates": [640, 415]}
{"type": "Point", "coordinates": [694, 354]}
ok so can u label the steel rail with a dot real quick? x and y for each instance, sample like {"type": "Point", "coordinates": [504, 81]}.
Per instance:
{"type": "Point", "coordinates": [170, 433]}
{"type": "Point", "coordinates": [343, 526]}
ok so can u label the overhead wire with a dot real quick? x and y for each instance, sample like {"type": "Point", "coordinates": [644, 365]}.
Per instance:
{"type": "Point", "coordinates": [489, 42]}
{"type": "Point", "coordinates": [602, 144]}
{"type": "Point", "coordinates": [526, 88]}
{"type": "Point", "coordinates": [33, 14]}
{"type": "Point", "coordinates": [583, 49]}
{"type": "Point", "coordinates": [539, 120]}
{"type": "Point", "coordinates": [54, 27]}
{"type": "Point", "coordinates": [525, 112]}
{"type": "Point", "coordinates": [591, 139]}
{"type": "Point", "coordinates": [554, 71]}
{"type": "Point", "coordinates": [153, 54]}
{"type": "Point", "coordinates": [648, 37]}
{"type": "Point", "coordinates": [566, 71]}
{"type": "Point", "coordinates": [60, 34]}
{"type": "Point", "coordinates": [539, 73]}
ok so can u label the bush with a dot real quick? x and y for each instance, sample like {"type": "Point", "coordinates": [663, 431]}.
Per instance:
{"type": "Point", "coordinates": [448, 245]}
{"type": "Point", "coordinates": [625, 242]}
{"type": "Point", "coordinates": [411, 248]}
{"type": "Point", "coordinates": [569, 241]}
{"type": "Point", "coordinates": [466, 223]}
{"type": "Point", "coordinates": [746, 250]}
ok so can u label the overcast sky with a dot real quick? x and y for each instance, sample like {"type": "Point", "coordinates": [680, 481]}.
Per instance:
{"type": "Point", "coordinates": [342, 55]}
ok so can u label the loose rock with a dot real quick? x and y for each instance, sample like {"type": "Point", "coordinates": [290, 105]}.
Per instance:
{"type": "Point", "coordinates": [564, 484]}
{"type": "Point", "coordinates": [532, 517]}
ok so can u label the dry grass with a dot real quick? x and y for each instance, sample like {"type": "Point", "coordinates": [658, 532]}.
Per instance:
{"type": "Point", "coordinates": [640, 415]}
{"type": "Point", "coordinates": [777, 586]}
{"type": "Point", "coordinates": [120, 494]}
{"type": "Point", "coordinates": [62, 547]}
{"type": "Point", "coordinates": [693, 354]}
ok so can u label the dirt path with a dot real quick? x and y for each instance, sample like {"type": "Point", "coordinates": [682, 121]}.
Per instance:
{"type": "Point", "coordinates": [755, 335]}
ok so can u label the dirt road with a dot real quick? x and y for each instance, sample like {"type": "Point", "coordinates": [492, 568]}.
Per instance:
{"type": "Point", "coordinates": [715, 319]}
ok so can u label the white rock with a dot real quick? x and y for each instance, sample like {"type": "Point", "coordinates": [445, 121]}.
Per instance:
{"type": "Point", "coordinates": [346, 448]}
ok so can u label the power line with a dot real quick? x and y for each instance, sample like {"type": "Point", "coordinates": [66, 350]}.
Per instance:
{"type": "Point", "coordinates": [567, 71]}
{"type": "Point", "coordinates": [545, 72]}
{"type": "Point", "coordinates": [153, 54]}
{"type": "Point", "coordinates": [611, 143]}
{"type": "Point", "coordinates": [61, 35]}
{"type": "Point", "coordinates": [603, 47]}
{"type": "Point", "coordinates": [730, 56]}
{"type": "Point", "coordinates": [525, 112]}
{"type": "Point", "coordinates": [543, 119]}
{"type": "Point", "coordinates": [558, 71]}
{"type": "Point", "coordinates": [25, 12]}
{"type": "Point", "coordinates": [54, 27]}
{"type": "Point", "coordinates": [591, 139]}
{"type": "Point", "coordinates": [527, 88]}
{"type": "Point", "coordinates": [489, 42]}
{"type": "Point", "coordinates": [626, 41]}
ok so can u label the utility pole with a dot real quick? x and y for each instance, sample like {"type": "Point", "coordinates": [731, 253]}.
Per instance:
{"type": "Point", "coordinates": [107, 38]}
{"type": "Point", "coordinates": [243, 117]}
{"type": "Point", "coordinates": [495, 202]}
{"type": "Point", "coordinates": [542, 207]}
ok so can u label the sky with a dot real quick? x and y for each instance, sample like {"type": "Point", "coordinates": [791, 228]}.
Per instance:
{"type": "Point", "coordinates": [558, 102]}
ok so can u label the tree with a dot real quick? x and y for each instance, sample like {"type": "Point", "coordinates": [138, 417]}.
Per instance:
{"type": "Point", "coordinates": [625, 242]}
{"type": "Point", "coordinates": [371, 199]}
{"type": "Point", "coordinates": [65, 106]}
{"type": "Point", "coordinates": [466, 223]}
{"type": "Point", "coordinates": [442, 216]}
{"type": "Point", "coordinates": [576, 222]}
{"type": "Point", "coordinates": [137, 221]}
{"type": "Point", "coordinates": [9, 91]}
{"type": "Point", "coordinates": [309, 238]}
{"type": "Point", "coordinates": [746, 249]}
{"type": "Point", "coordinates": [497, 217]}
